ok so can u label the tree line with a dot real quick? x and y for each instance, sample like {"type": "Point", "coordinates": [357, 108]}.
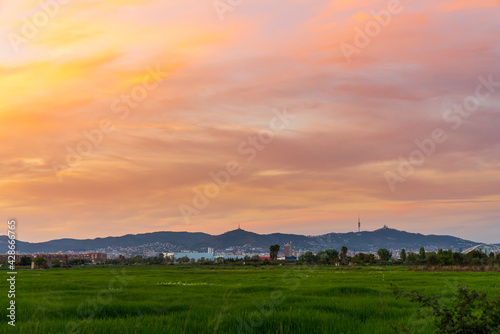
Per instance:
{"type": "Point", "coordinates": [441, 257]}
{"type": "Point", "coordinates": [325, 257]}
{"type": "Point", "coordinates": [449, 258]}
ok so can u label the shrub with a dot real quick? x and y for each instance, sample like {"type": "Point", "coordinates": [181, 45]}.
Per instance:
{"type": "Point", "coordinates": [470, 312]}
{"type": "Point", "coordinates": [384, 254]}
{"type": "Point", "coordinates": [432, 259]}
{"type": "Point", "coordinates": [25, 261]}
{"type": "Point", "coordinates": [412, 258]}
{"type": "Point", "coordinates": [40, 262]}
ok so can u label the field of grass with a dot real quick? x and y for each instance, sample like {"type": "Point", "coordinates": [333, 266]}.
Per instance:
{"type": "Point", "coordinates": [173, 299]}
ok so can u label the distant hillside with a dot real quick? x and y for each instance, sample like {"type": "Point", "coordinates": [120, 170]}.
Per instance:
{"type": "Point", "coordinates": [182, 239]}
{"type": "Point", "coordinates": [393, 239]}
{"type": "Point", "coordinates": [242, 238]}
{"type": "Point", "coordinates": [367, 241]}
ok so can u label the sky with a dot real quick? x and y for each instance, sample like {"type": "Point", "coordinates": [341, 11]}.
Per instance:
{"type": "Point", "coordinates": [292, 116]}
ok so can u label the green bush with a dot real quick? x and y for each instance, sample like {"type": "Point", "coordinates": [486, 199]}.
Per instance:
{"type": "Point", "coordinates": [25, 261]}
{"type": "Point", "coordinates": [469, 313]}
{"type": "Point", "coordinates": [40, 262]}
{"type": "Point", "coordinates": [432, 259]}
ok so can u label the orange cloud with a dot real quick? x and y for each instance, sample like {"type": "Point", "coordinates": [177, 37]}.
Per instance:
{"type": "Point", "coordinates": [223, 79]}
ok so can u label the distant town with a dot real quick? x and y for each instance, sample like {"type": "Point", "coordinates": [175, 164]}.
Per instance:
{"type": "Point", "coordinates": [240, 243]}
{"type": "Point", "coordinates": [160, 252]}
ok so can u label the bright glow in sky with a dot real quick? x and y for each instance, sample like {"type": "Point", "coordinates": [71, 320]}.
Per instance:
{"type": "Point", "coordinates": [114, 111]}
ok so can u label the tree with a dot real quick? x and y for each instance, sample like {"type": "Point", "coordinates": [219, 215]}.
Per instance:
{"type": "Point", "coordinates": [273, 252]}
{"type": "Point", "coordinates": [138, 259]}
{"type": "Point", "coordinates": [333, 255]}
{"type": "Point", "coordinates": [307, 257]}
{"type": "Point", "coordinates": [322, 257]}
{"type": "Point", "coordinates": [422, 253]}
{"type": "Point", "coordinates": [362, 258]}
{"type": "Point", "coordinates": [25, 261]}
{"type": "Point", "coordinates": [343, 254]}
{"type": "Point", "coordinates": [475, 257]}
{"type": "Point", "coordinates": [444, 258]}
{"type": "Point", "coordinates": [458, 258]}
{"type": "Point", "coordinates": [384, 254]}
{"type": "Point", "coordinates": [432, 259]}
{"type": "Point", "coordinates": [161, 257]}
{"type": "Point", "coordinates": [40, 262]}
{"type": "Point", "coordinates": [183, 259]}
{"type": "Point", "coordinates": [402, 255]}
{"type": "Point", "coordinates": [412, 258]}
{"type": "Point", "coordinates": [56, 263]}
{"type": "Point", "coordinates": [477, 254]}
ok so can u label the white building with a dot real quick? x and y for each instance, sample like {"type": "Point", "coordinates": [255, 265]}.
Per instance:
{"type": "Point", "coordinates": [209, 255]}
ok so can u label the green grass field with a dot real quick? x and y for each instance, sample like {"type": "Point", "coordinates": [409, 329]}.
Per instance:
{"type": "Point", "coordinates": [173, 299]}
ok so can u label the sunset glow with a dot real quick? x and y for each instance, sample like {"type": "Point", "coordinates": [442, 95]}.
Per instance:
{"type": "Point", "coordinates": [287, 116]}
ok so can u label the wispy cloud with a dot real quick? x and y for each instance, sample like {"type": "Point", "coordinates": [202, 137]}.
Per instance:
{"type": "Point", "coordinates": [224, 77]}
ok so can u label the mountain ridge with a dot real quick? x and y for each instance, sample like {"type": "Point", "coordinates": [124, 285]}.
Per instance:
{"type": "Point", "coordinates": [241, 240]}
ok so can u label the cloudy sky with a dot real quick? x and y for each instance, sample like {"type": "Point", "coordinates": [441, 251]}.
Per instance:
{"type": "Point", "coordinates": [292, 116]}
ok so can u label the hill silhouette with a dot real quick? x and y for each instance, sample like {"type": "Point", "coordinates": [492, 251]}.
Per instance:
{"type": "Point", "coordinates": [365, 241]}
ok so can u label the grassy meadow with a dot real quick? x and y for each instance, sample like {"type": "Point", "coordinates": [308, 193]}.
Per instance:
{"type": "Point", "coordinates": [176, 299]}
